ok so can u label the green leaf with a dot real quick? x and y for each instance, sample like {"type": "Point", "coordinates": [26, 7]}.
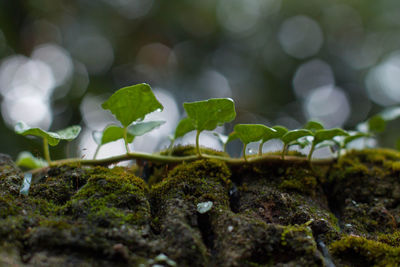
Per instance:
{"type": "Point", "coordinates": [278, 133]}
{"type": "Point", "coordinates": [208, 114]}
{"type": "Point", "coordinates": [293, 135]}
{"type": "Point", "coordinates": [132, 103]}
{"type": "Point", "coordinates": [251, 132]}
{"type": "Point", "coordinates": [53, 138]}
{"type": "Point", "coordinates": [353, 137]}
{"type": "Point", "coordinates": [183, 127]}
{"type": "Point", "coordinates": [110, 134]}
{"type": "Point", "coordinates": [376, 124]}
{"type": "Point", "coordinates": [25, 159]}
{"type": "Point", "coordinates": [314, 126]}
{"type": "Point", "coordinates": [140, 128]}
{"type": "Point", "coordinates": [328, 134]}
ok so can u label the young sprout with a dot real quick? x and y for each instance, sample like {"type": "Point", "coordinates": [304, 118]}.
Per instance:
{"type": "Point", "coordinates": [208, 114]}
{"type": "Point", "coordinates": [277, 134]}
{"type": "Point", "coordinates": [113, 133]}
{"type": "Point", "coordinates": [325, 135]}
{"type": "Point", "coordinates": [248, 133]}
{"type": "Point", "coordinates": [131, 104]}
{"type": "Point", "coordinates": [291, 137]}
{"type": "Point", "coordinates": [184, 126]}
{"type": "Point", "coordinates": [49, 138]}
{"type": "Point", "coordinates": [25, 159]}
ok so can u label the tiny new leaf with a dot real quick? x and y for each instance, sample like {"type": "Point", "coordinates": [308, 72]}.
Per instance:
{"type": "Point", "coordinates": [25, 159]}
{"type": "Point", "coordinates": [208, 114]}
{"type": "Point", "coordinates": [110, 134]}
{"type": "Point", "coordinates": [132, 103]}
{"type": "Point", "coordinates": [252, 132]}
{"type": "Point", "coordinates": [53, 138]}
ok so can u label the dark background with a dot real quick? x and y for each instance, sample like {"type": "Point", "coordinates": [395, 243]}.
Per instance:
{"type": "Point", "coordinates": [282, 61]}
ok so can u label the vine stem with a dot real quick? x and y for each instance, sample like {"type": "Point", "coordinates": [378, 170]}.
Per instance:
{"type": "Point", "coordinates": [311, 151]}
{"type": "Point", "coordinates": [260, 147]}
{"type": "Point", "coordinates": [46, 150]}
{"type": "Point", "coordinates": [172, 159]}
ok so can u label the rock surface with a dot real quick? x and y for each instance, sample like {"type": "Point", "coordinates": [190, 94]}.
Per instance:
{"type": "Point", "coordinates": [344, 214]}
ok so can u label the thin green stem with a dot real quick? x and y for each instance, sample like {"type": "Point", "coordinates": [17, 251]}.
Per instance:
{"type": "Point", "coordinates": [311, 152]}
{"type": "Point", "coordinates": [197, 143]}
{"type": "Point", "coordinates": [46, 150]}
{"type": "Point", "coordinates": [285, 147]}
{"type": "Point", "coordinates": [244, 152]}
{"type": "Point", "coordinates": [171, 147]}
{"type": "Point", "coordinates": [126, 139]}
{"type": "Point", "coordinates": [260, 148]}
{"type": "Point", "coordinates": [96, 152]}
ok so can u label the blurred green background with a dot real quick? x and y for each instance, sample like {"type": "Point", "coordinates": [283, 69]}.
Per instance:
{"type": "Point", "coordinates": [282, 61]}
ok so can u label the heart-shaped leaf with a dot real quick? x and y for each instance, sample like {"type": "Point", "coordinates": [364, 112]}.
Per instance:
{"type": "Point", "coordinates": [328, 134]}
{"type": "Point", "coordinates": [208, 114]}
{"type": "Point", "coordinates": [25, 159]}
{"type": "Point", "coordinates": [314, 126]}
{"type": "Point", "coordinates": [53, 138]}
{"type": "Point", "coordinates": [251, 132]}
{"type": "Point", "coordinates": [132, 103]}
{"type": "Point", "coordinates": [140, 128]}
{"type": "Point", "coordinates": [183, 127]}
{"type": "Point", "coordinates": [293, 135]}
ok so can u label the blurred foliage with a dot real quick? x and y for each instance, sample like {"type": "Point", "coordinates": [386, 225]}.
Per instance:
{"type": "Point", "coordinates": [283, 62]}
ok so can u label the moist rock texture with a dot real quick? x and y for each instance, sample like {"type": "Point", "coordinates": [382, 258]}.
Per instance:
{"type": "Point", "coordinates": [346, 213]}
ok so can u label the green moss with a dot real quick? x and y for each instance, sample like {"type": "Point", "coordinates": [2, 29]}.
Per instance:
{"type": "Point", "coordinates": [359, 251]}
{"type": "Point", "coordinates": [392, 239]}
{"type": "Point", "coordinates": [292, 231]}
{"type": "Point", "coordinates": [299, 179]}
{"type": "Point", "coordinates": [199, 179]}
{"type": "Point", "coordinates": [111, 197]}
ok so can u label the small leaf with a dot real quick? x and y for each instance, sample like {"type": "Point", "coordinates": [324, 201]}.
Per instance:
{"type": "Point", "coordinates": [26, 184]}
{"type": "Point", "coordinates": [203, 207]}
{"type": "Point", "coordinates": [376, 124]}
{"type": "Point", "coordinates": [140, 128]}
{"type": "Point", "coordinates": [25, 159]}
{"type": "Point", "coordinates": [353, 137]}
{"type": "Point", "coordinates": [132, 103]}
{"type": "Point", "coordinates": [53, 138]}
{"type": "Point", "coordinates": [251, 132]}
{"type": "Point", "coordinates": [208, 114]}
{"type": "Point", "coordinates": [183, 127]}
{"type": "Point", "coordinates": [328, 134]}
{"type": "Point", "coordinates": [112, 133]}
{"type": "Point", "coordinates": [314, 126]}
{"type": "Point", "coordinates": [293, 135]}
{"type": "Point", "coordinates": [279, 132]}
